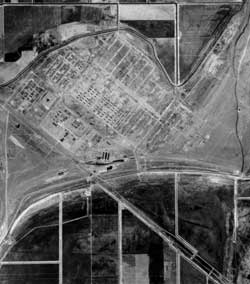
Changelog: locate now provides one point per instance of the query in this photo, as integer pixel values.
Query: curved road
(177, 243)
(186, 251)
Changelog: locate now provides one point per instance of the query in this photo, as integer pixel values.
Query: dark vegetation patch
(153, 28)
(48, 216)
(240, 263)
(74, 206)
(244, 188)
(105, 267)
(28, 20)
(138, 240)
(163, 35)
(39, 244)
(105, 234)
(206, 217)
(104, 237)
(103, 204)
(77, 251)
(24, 274)
(165, 48)
(1, 47)
(96, 234)
(70, 14)
(189, 274)
(170, 263)
(105, 247)
(200, 27)
(85, 14)
(60, 1)
(205, 220)
(132, 1)
(153, 197)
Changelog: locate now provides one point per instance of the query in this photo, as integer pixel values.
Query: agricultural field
(100, 235)
(143, 259)
(244, 188)
(205, 216)
(154, 195)
(23, 274)
(200, 26)
(18, 31)
(3, 170)
(124, 154)
(156, 22)
(38, 239)
(189, 274)
(241, 259)
(27, 37)
(111, 116)
(1, 33)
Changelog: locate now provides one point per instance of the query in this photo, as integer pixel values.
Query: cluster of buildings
(136, 72)
(108, 101)
(175, 121)
(33, 98)
(110, 91)
(68, 129)
(63, 68)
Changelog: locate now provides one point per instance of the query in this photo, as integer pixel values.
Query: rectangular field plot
(76, 237)
(142, 252)
(104, 238)
(244, 188)
(204, 205)
(155, 21)
(208, 2)
(75, 205)
(170, 265)
(240, 267)
(27, 21)
(154, 28)
(154, 196)
(40, 244)
(90, 243)
(105, 234)
(77, 251)
(191, 2)
(149, 12)
(104, 249)
(34, 19)
(102, 204)
(1, 31)
(24, 274)
(200, 26)
(104, 269)
(132, 1)
(190, 275)
(58, 1)
(38, 238)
